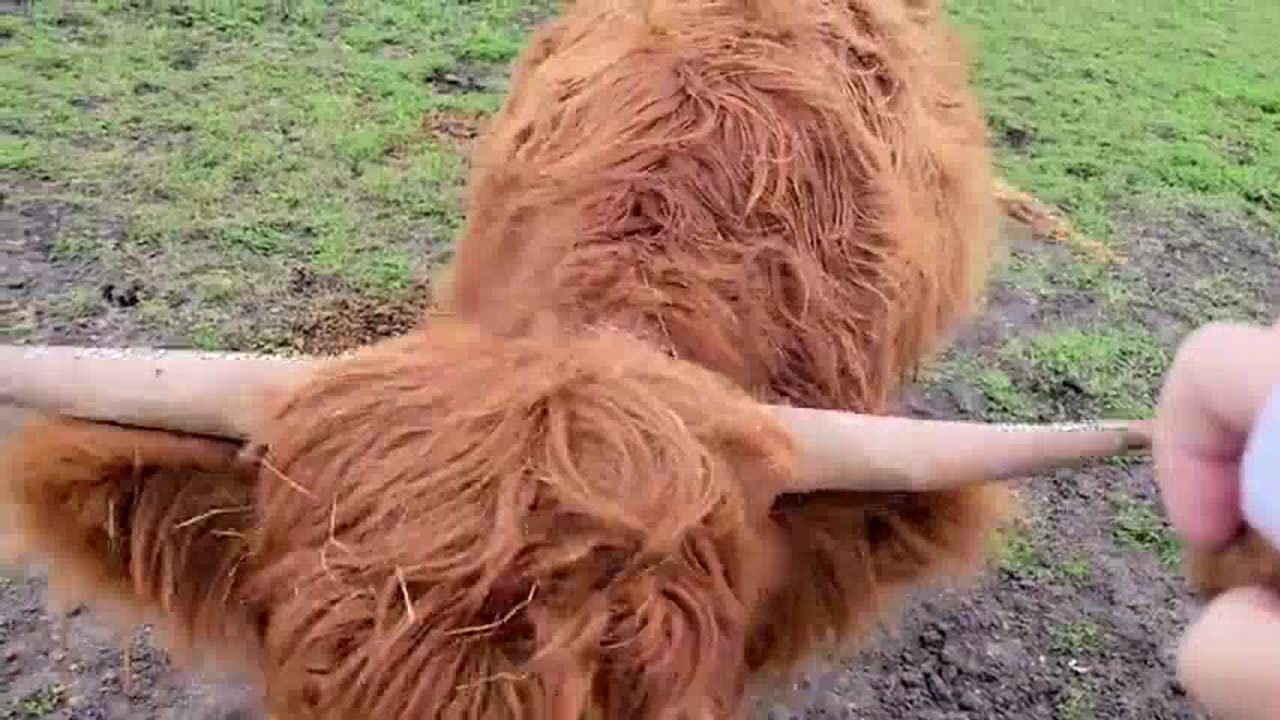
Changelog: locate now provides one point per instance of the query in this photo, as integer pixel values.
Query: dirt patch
(343, 322)
(1045, 222)
(53, 288)
(1015, 305)
(68, 665)
(452, 126)
(462, 79)
(1195, 265)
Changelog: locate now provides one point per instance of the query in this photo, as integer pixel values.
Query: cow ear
(147, 526)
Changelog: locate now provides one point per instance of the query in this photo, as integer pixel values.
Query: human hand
(1214, 423)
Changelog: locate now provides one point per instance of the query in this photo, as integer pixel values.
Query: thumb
(1230, 658)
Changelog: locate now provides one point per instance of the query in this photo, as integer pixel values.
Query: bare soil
(1078, 624)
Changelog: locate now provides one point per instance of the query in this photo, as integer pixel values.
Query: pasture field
(283, 176)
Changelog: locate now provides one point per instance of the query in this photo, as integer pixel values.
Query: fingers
(1221, 378)
(1230, 658)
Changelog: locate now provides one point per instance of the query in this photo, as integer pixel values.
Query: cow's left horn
(205, 393)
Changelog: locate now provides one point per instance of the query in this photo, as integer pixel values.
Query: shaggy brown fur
(557, 520)
(150, 524)
(793, 193)
(457, 526)
(1247, 560)
(796, 194)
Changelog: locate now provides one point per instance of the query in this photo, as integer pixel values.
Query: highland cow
(793, 193)
(369, 550)
(565, 501)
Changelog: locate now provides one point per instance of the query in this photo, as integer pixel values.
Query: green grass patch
(77, 303)
(1077, 572)
(1025, 551)
(1004, 399)
(1052, 276)
(1097, 102)
(1136, 526)
(1017, 552)
(1075, 374)
(1076, 639)
(43, 702)
(1075, 702)
(1062, 376)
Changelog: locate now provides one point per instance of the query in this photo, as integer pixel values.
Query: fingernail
(1260, 472)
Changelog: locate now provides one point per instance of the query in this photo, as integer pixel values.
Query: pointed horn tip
(1140, 436)
(1135, 436)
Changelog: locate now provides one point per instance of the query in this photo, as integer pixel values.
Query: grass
(1076, 639)
(1089, 116)
(1183, 122)
(1074, 703)
(1073, 372)
(43, 702)
(1018, 553)
(225, 146)
(1052, 278)
(1077, 572)
(242, 141)
(1136, 526)
(1025, 550)
(1065, 374)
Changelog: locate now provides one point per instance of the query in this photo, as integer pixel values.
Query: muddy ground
(1075, 620)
